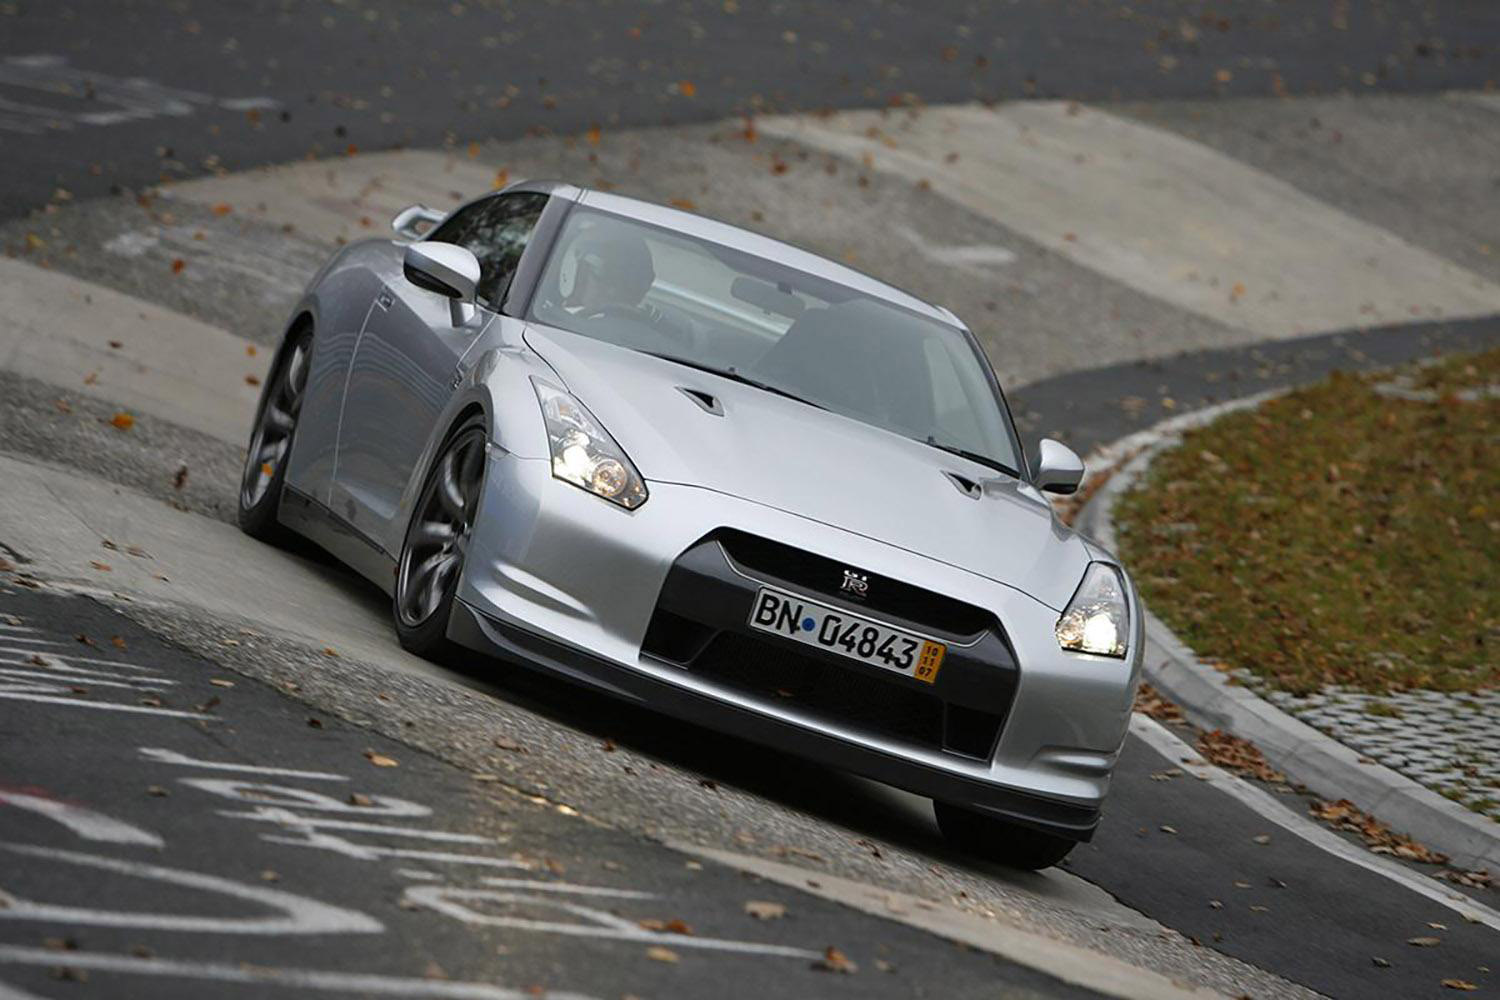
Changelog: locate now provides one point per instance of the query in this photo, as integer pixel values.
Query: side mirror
(1056, 468)
(414, 221)
(448, 270)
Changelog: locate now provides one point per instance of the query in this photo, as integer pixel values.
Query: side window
(494, 230)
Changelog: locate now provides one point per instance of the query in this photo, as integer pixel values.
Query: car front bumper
(563, 580)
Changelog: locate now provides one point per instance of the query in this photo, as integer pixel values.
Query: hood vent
(706, 400)
(965, 485)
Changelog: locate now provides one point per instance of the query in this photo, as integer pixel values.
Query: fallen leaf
(686, 88)
(179, 478)
(267, 875)
(221, 682)
(1380, 963)
(1238, 755)
(1262, 838)
(156, 791)
(117, 641)
(1168, 829)
(1459, 984)
(117, 344)
(314, 723)
(252, 380)
(659, 954)
(360, 799)
(330, 651)
(1424, 942)
(380, 759)
(122, 421)
(508, 744)
(686, 204)
(178, 264)
(834, 960)
(763, 910)
(223, 208)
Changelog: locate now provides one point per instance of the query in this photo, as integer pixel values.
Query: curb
(1303, 753)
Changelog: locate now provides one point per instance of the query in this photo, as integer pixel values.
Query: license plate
(837, 631)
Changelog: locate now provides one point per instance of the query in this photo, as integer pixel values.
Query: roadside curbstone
(1210, 700)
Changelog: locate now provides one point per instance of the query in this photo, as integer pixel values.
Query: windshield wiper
(972, 456)
(735, 375)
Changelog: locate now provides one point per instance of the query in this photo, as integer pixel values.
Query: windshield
(762, 323)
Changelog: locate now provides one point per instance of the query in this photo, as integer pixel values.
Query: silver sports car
(716, 475)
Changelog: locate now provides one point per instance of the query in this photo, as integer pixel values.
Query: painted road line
(1158, 212)
(64, 331)
(162, 755)
(293, 914)
(86, 823)
(351, 198)
(1262, 803)
(327, 980)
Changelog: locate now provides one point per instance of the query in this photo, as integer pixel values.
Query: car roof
(749, 242)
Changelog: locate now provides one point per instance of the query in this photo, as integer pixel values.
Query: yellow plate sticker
(930, 660)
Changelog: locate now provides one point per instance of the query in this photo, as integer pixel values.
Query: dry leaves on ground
(659, 954)
(380, 759)
(762, 910)
(834, 960)
(1149, 701)
(1345, 815)
(1236, 754)
(122, 421)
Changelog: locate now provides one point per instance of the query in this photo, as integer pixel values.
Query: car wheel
(271, 439)
(996, 840)
(432, 554)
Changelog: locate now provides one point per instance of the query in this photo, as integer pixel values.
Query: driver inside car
(613, 273)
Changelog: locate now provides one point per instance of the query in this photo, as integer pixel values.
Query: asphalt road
(246, 842)
(238, 85)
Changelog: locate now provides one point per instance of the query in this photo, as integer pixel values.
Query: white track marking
(87, 823)
(368, 984)
(106, 706)
(1265, 805)
(1160, 213)
(282, 797)
(58, 329)
(589, 922)
(287, 818)
(68, 658)
(573, 888)
(163, 756)
(294, 914)
(101, 99)
(82, 678)
(53, 668)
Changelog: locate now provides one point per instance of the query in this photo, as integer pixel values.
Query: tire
(998, 841)
(436, 541)
(271, 436)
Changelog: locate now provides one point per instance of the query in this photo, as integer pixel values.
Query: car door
(410, 360)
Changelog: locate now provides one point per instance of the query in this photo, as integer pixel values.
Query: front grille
(814, 574)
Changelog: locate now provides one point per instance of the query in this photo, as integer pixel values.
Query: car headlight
(584, 454)
(1097, 619)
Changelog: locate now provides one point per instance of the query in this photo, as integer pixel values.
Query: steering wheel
(645, 317)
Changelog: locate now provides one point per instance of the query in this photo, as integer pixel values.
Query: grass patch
(1333, 535)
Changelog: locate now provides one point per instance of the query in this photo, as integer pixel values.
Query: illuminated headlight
(1097, 620)
(583, 453)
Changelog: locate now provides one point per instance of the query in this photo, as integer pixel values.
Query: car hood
(784, 454)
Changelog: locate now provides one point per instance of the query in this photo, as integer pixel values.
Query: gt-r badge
(855, 583)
